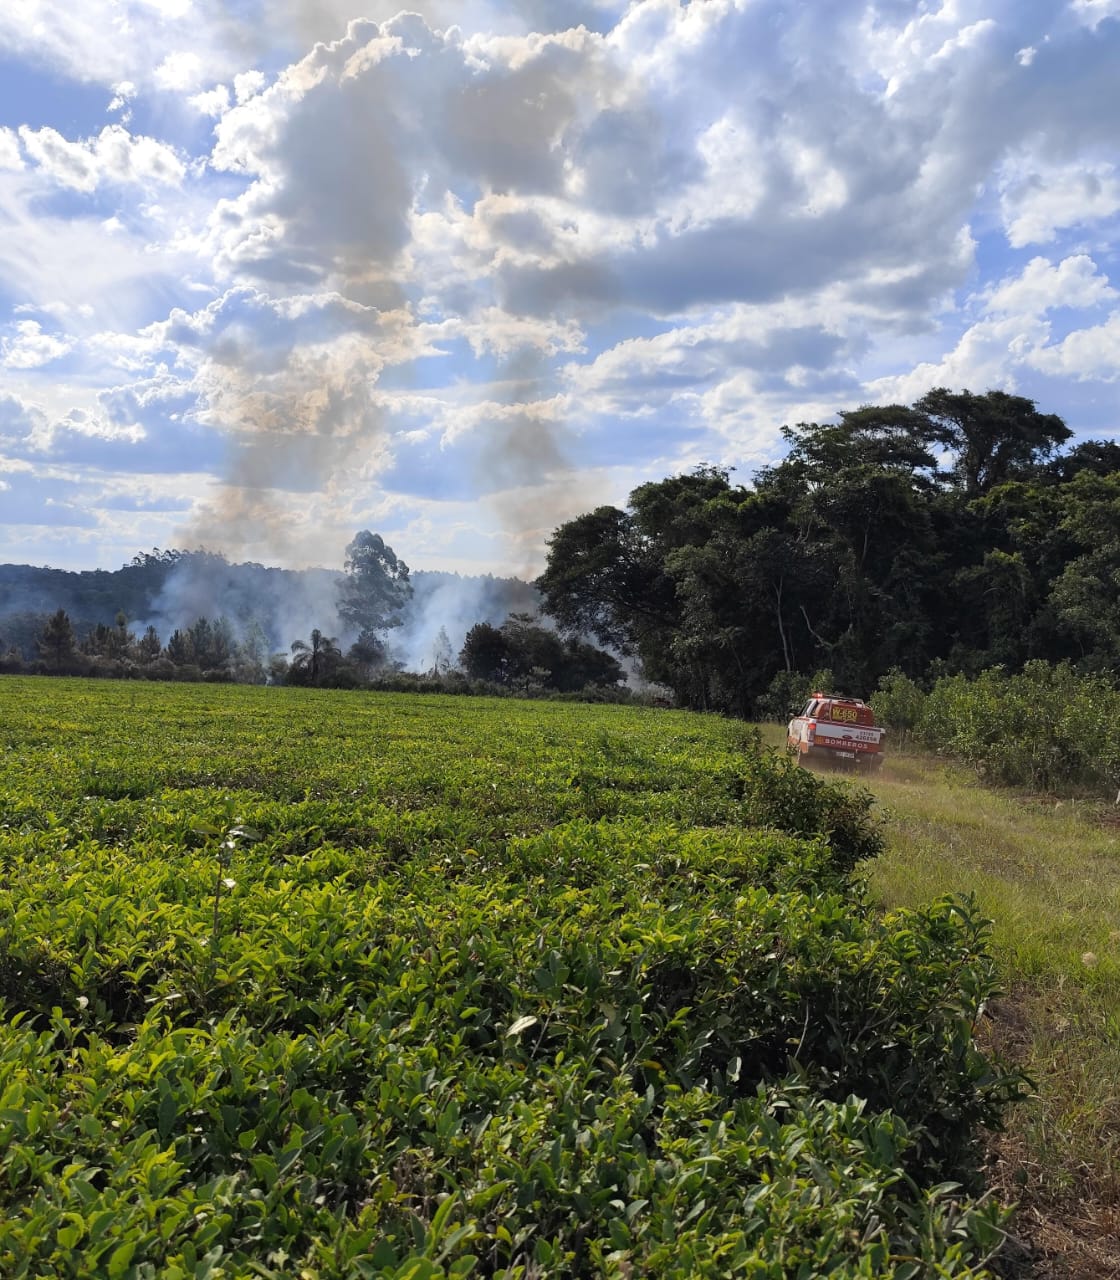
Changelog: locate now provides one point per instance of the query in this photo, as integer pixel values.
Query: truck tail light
(811, 732)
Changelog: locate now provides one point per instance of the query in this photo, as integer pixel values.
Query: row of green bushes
(1046, 727)
(452, 682)
(302, 984)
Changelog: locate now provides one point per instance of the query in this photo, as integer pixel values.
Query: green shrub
(1046, 727)
(898, 704)
(298, 983)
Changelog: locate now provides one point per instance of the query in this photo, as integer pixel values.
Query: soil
(1053, 1238)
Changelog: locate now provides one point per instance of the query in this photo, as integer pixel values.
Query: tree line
(947, 536)
(956, 534)
(520, 656)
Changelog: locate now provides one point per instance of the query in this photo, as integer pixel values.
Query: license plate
(846, 755)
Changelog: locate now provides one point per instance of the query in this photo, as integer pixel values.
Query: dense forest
(950, 536)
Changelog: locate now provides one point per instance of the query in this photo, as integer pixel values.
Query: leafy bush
(391, 987)
(791, 689)
(898, 704)
(1046, 727)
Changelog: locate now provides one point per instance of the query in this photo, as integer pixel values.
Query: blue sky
(271, 273)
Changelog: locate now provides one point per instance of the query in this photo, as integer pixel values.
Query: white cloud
(57, 310)
(114, 156)
(990, 353)
(19, 421)
(213, 102)
(118, 42)
(1038, 201)
(1042, 287)
(54, 258)
(29, 347)
(170, 8)
(247, 84)
(1094, 12)
(179, 71)
(1090, 353)
(10, 157)
(69, 163)
(1013, 335)
(121, 100)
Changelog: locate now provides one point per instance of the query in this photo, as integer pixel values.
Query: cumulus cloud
(10, 157)
(180, 70)
(114, 156)
(528, 241)
(123, 94)
(213, 102)
(1043, 286)
(28, 347)
(116, 42)
(1037, 202)
(18, 421)
(247, 84)
(1089, 353)
(1013, 335)
(1093, 12)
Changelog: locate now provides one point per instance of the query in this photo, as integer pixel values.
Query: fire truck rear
(837, 729)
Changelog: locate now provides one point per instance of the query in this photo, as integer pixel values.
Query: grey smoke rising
(345, 151)
(455, 604)
(284, 604)
(524, 463)
(297, 431)
(294, 393)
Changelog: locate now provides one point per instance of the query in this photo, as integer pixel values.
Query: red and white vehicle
(838, 729)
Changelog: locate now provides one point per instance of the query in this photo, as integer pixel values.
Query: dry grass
(1046, 870)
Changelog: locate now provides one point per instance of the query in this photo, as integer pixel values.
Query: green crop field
(300, 983)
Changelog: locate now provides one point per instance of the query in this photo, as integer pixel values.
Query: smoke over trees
(394, 615)
(231, 622)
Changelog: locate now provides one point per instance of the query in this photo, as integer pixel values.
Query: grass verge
(1046, 870)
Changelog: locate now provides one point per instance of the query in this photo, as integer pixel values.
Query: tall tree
(485, 653)
(56, 642)
(995, 436)
(376, 586)
(180, 647)
(149, 646)
(315, 658)
(890, 437)
(605, 577)
(1085, 594)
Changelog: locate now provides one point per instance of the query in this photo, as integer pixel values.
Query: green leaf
(523, 1023)
(120, 1258)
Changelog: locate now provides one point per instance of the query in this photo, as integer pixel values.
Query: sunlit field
(333, 984)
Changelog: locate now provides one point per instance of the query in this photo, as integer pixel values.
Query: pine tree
(56, 643)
